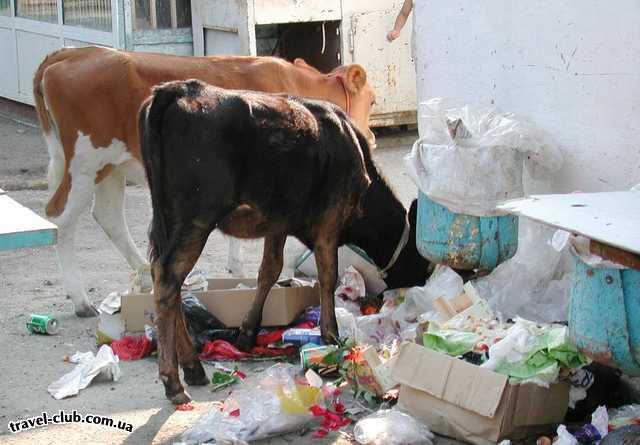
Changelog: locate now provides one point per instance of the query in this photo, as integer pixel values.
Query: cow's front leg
(326, 253)
(270, 268)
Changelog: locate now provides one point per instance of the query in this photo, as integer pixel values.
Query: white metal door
(31, 29)
(390, 67)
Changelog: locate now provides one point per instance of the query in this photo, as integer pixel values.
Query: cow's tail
(38, 90)
(150, 122)
(57, 175)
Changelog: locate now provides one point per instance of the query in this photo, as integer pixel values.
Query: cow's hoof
(86, 311)
(330, 335)
(246, 341)
(195, 376)
(180, 398)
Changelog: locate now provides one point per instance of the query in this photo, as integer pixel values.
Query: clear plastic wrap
(267, 404)
(532, 284)
(443, 283)
(391, 427)
(351, 285)
(469, 159)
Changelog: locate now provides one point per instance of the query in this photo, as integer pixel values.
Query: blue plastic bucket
(604, 315)
(464, 241)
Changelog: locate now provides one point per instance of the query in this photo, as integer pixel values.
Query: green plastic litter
(222, 379)
(450, 342)
(553, 349)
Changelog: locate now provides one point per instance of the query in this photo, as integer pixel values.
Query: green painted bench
(20, 227)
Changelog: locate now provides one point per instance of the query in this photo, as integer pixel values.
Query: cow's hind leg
(235, 259)
(174, 344)
(270, 268)
(78, 201)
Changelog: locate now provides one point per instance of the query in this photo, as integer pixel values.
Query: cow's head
(348, 88)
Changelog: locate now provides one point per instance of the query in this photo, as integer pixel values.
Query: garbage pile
(403, 359)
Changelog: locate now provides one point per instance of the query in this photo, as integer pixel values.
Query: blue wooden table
(21, 227)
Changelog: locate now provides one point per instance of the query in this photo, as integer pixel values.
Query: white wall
(573, 66)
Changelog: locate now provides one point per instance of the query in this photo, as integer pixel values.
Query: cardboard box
(229, 304)
(460, 400)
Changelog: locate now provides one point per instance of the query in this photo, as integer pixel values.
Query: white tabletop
(612, 218)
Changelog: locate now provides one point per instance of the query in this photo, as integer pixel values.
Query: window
(5, 7)
(94, 14)
(42, 10)
(158, 14)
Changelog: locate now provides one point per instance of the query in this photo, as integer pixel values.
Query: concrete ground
(30, 282)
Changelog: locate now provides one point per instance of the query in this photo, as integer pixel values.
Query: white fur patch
(55, 171)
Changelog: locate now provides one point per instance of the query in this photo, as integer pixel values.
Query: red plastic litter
(273, 352)
(235, 413)
(185, 407)
(331, 420)
(132, 347)
(305, 325)
(317, 410)
(267, 338)
(221, 350)
(320, 433)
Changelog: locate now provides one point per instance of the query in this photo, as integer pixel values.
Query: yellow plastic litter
(298, 400)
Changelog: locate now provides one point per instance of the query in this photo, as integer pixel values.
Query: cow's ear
(356, 78)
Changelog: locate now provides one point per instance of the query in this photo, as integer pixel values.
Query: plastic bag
(391, 427)
(267, 404)
(531, 284)
(565, 437)
(201, 324)
(444, 283)
(351, 285)
(132, 347)
(196, 281)
(534, 353)
(104, 364)
(469, 159)
(582, 247)
(346, 323)
(454, 343)
(590, 433)
(625, 415)
(376, 330)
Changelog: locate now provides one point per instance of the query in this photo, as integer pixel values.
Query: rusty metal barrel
(464, 241)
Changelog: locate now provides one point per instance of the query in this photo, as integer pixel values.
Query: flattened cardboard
(461, 400)
(228, 304)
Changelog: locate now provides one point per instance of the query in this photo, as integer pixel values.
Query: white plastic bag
(469, 159)
(533, 284)
(351, 285)
(391, 427)
(196, 281)
(259, 410)
(444, 282)
(565, 437)
(103, 364)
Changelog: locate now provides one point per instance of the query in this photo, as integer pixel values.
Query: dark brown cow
(87, 101)
(256, 165)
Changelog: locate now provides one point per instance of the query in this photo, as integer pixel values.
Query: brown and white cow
(87, 101)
